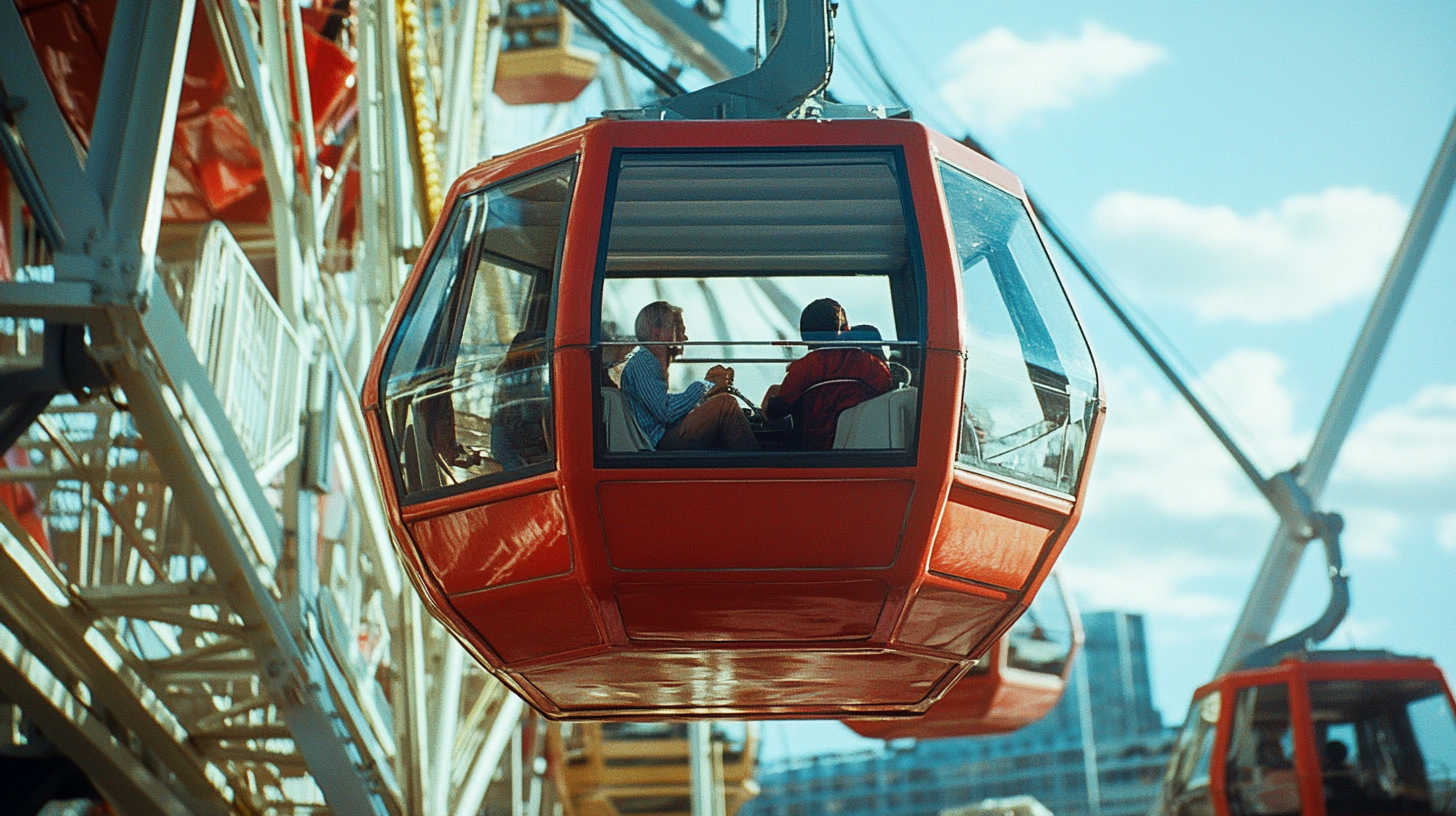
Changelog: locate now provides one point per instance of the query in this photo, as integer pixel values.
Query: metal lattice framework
(212, 618)
(215, 620)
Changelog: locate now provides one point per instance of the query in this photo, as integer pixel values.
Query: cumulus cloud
(1371, 533)
(1446, 532)
(1173, 585)
(998, 79)
(1156, 453)
(1405, 444)
(1248, 385)
(1286, 263)
(1356, 632)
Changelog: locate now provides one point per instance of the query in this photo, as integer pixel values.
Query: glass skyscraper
(1110, 769)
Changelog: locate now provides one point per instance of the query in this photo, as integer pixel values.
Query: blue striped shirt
(653, 407)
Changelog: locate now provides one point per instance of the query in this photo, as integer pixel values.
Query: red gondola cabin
(1013, 685)
(1319, 734)
(845, 560)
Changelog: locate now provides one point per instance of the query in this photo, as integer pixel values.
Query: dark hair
(527, 350)
(823, 315)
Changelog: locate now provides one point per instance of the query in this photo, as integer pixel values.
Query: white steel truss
(217, 622)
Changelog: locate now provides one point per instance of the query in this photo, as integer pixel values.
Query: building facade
(1098, 755)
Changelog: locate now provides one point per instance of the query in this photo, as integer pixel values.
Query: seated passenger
(700, 417)
(520, 426)
(613, 356)
(828, 380)
(865, 331)
(1343, 792)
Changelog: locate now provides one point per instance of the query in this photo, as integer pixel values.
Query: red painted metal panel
(771, 681)
(752, 611)
(952, 617)
(983, 537)
(497, 544)
(731, 525)
(531, 620)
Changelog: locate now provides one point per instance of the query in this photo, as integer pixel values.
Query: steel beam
(459, 102)
(122, 777)
(69, 199)
(693, 38)
(1281, 561)
(483, 767)
(259, 108)
(188, 433)
(37, 606)
(136, 111)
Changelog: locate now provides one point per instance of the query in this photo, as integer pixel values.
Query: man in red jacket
(828, 380)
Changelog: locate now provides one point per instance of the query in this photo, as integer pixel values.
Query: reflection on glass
(1041, 639)
(1261, 779)
(742, 242)
(1185, 790)
(1385, 746)
(1030, 386)
(467, 388)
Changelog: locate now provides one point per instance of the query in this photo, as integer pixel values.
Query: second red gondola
(1016, 683)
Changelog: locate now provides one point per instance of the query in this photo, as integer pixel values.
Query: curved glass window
(467, 385)
(1030, 386)
(1041, 639)
(1186, 789)
(1386, 746)
(714, 263)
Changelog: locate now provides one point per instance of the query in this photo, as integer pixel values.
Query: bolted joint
(1293, 504)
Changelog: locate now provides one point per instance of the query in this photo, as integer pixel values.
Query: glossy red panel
(758, 679)
(531, 620)
(757, 611)
(987, 539)
(503, 543)
(950, 618)
(988, 703)
(711, 524)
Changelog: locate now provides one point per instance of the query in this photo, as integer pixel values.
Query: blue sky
(1243, 172)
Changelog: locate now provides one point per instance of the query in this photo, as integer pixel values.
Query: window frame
(602, 459)
(391, 444)
(1245, 706)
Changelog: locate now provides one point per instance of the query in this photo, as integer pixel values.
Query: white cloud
(1286, 263)
(1356, 632)
(999, 78)
(1156, 453)
(1411, 443)
(1446, 532)
(1247, 387)
(1172, 585)
(1370, 533)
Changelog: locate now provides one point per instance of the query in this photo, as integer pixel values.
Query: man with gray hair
(702, 416)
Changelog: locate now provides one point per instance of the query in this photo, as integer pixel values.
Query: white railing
(250, 350)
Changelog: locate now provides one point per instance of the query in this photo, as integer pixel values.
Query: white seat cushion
(623, 435)
(886, 422)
